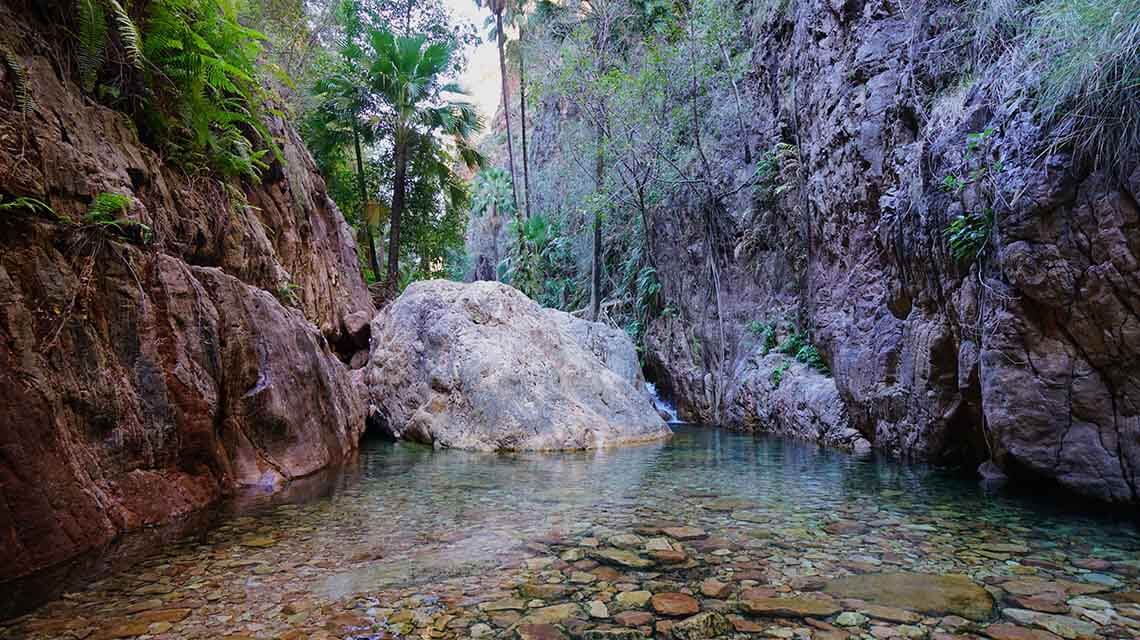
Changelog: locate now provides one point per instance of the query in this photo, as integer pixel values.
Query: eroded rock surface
(141, 381)
(481, 366)
(1026, 356)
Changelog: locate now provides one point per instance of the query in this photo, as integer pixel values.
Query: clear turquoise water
(403, 520)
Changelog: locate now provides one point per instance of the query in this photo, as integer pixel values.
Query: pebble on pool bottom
(710, 535)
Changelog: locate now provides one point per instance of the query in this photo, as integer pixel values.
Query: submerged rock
(709, 624)
(789, 607)
(481, 366)
(925, 593)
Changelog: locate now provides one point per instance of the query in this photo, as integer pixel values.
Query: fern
(20, 85)
(108, 205)
(128, 34)
(211, 111)
(106, 213)
(204, 103)
(31, 205)
(92, 41)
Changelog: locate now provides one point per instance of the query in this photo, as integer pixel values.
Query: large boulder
(481, 366)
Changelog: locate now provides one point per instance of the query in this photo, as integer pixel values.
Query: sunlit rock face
(481, 366)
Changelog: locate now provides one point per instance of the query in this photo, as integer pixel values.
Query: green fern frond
(128, 34)
(20, 85)
(31, 205)
(108, 206)
(92, 41)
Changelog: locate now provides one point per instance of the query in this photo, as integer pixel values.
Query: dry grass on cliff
(1090, 53)
(1081, 62)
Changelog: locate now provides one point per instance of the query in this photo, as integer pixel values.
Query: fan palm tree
(407, 76)
(344, 99)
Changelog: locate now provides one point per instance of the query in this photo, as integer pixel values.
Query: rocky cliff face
(1027, 355)
(141, 381)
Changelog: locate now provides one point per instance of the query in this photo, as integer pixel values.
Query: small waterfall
(662, 405)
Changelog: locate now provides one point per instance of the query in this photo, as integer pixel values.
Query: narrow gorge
(561, 319)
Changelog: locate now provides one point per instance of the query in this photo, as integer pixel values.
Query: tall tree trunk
(399, 187)
(596, 260)
(506, 103)
(522, 110)
(372, 258)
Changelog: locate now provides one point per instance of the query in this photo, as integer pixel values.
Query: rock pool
(710, 534)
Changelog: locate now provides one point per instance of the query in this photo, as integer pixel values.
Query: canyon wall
(1026, 355)
(145, 375)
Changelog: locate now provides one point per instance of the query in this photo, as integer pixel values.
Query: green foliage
(20, 87)
(969, 235)
(766, 332)
(792, 344)
(109, 205)
(92, 40)
(189, 77)
(107, 212)
(30, 205)
(540, 262)
(799, 347)
(952, 184)
(777, 375)
(1090, 54)
(1081, 68)
(210, 111)
(810, 356)
(287, 294)
(493, 192)
(92, 18)
(406, 75)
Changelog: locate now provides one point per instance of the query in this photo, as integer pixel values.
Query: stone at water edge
(891, 614)
(924, 593)
(481, 366)
(1014, 632)
(851, 619)
(633, 599)
(789, 607)
(685, 533)
(1064, 626)
(613, 634)
(552, 614)
(633, 618)
(713, 588)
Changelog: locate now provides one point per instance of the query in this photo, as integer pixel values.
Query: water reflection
(403, 515)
